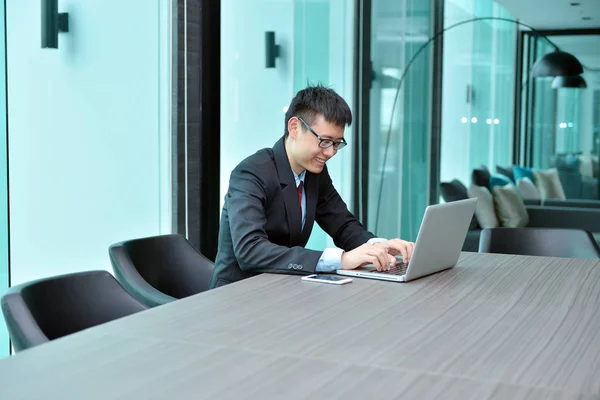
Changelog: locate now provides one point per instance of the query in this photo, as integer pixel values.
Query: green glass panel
(544, 115)
(322, 54)
(478, 87)
(311, 64)
(399, 120)
(4, 344)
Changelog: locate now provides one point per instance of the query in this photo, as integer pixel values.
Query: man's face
(304, 151)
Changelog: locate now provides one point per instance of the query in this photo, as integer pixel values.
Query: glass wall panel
(90, 130)
(544, 113)
(253, 97)
(399, 138)
(4, 272)
(323, 53)
(478, 87)
(316, 46)
(560, 127)
(501, 116)
(567, 131)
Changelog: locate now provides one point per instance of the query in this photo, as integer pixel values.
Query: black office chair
(43, 310)
(160, 269)
(551, 242)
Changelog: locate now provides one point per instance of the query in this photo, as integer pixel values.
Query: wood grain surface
(495, 326)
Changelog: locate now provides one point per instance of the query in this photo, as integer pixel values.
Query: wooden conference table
(495, 326)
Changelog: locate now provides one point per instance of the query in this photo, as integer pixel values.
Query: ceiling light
(557, 63)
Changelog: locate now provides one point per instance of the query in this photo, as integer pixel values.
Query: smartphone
(334, 280)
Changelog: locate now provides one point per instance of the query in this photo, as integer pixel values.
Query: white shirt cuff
(330, 260)
(376, 240)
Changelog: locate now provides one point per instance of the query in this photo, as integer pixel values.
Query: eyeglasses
(325, 143)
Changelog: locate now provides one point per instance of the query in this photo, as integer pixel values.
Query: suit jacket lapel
(289, 192)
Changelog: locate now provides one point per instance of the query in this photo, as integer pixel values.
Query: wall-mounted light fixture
(53, 22)
(272, 50)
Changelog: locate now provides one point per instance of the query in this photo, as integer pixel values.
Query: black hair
(314, 100)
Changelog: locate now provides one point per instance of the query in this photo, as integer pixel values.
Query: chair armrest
(134, 283)
(532, 202)
(472, 241)
(587, 219)
(580, 203)
(24, 330)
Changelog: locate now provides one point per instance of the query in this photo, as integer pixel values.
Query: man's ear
(293, 127)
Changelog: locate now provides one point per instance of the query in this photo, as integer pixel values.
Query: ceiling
(561, 15)
(391, 25)
(555, 14)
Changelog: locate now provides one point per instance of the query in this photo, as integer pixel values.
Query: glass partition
(542, 136)
(399, 139)
(560, 125)
(4, 253)
(88, 157)
(478, 87)
(315, 41)
(89, 137)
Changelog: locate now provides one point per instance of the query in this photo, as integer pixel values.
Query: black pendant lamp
(571, 81)
(557, 63)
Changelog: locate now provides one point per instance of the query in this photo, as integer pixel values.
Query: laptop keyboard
(398, 269)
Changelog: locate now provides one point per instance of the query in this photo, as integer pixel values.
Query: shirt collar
(300, 177)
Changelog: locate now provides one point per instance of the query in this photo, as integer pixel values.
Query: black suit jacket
(261, 226)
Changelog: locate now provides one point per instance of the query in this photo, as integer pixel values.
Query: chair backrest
(550, 242)
(47, 309)
(169, 263)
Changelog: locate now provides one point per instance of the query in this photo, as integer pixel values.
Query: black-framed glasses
(325, 143)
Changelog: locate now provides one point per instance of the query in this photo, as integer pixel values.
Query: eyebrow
(332, 139)
(322, 136)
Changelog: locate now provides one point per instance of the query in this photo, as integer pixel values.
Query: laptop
(438, 246)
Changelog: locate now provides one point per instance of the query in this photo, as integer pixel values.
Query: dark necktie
(300, 197)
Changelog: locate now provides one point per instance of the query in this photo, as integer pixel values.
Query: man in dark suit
(277, 194)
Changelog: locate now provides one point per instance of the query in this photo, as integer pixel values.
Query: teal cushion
(572, 163)
(506, 171)
(522, 172)
(481, 176)
(499, 180)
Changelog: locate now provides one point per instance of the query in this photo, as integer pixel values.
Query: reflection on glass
(478, 84)
(317, 45)
(4, 346)
(564, 121)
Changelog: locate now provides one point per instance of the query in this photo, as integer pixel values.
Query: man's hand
(368, 254)
(398, 246)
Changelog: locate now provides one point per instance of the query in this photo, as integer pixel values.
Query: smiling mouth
(321, 160)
